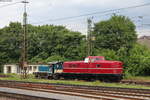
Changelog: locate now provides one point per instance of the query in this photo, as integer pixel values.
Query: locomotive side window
(70, 65)
(98, 65)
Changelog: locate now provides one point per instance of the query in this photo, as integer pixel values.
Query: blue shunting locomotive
(47, 71)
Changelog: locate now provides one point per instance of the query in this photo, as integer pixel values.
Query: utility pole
(24, 59)
(89, 37)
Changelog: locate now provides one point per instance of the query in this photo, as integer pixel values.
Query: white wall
(32, 68)
(13, 68)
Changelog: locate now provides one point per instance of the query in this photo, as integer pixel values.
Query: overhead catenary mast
(24, 58)
(89, 37)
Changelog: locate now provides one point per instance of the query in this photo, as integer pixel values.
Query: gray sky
(44, 11)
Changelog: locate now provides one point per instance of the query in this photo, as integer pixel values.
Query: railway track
(135, 82)
(14, 96)
(94, 92)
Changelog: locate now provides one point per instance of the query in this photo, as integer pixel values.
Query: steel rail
(96, 92)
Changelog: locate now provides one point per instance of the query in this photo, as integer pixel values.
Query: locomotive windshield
(93, 59)
(96, 59)
(86, 60)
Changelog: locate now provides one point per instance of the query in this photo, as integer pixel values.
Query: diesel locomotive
(92, 68)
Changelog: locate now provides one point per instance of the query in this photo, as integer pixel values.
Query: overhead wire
(88, 14)
(2, 6)
(73, 17)
(146, 24)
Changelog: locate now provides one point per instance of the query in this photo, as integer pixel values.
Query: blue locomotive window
(58, 66)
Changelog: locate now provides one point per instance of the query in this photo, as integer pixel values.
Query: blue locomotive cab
(56, 67)
(47, 71)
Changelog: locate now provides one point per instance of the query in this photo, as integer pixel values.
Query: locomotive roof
(55, 62)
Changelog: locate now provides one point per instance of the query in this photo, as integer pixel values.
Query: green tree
(108, 54)
(115, 33)
(139, 61)
(10, 42)
(55, 58)
(44, 42)
(49, 40)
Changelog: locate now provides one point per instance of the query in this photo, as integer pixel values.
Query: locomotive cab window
(95, 59)
(86, 60)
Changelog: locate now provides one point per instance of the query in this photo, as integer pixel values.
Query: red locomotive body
(94, 67)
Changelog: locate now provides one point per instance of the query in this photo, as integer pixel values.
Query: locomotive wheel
(38, 76)
(118, 79)
(56, 77)
(115, 79)
(50, 77)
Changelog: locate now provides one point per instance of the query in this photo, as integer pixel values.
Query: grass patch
(138, 78)
(73, 82)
